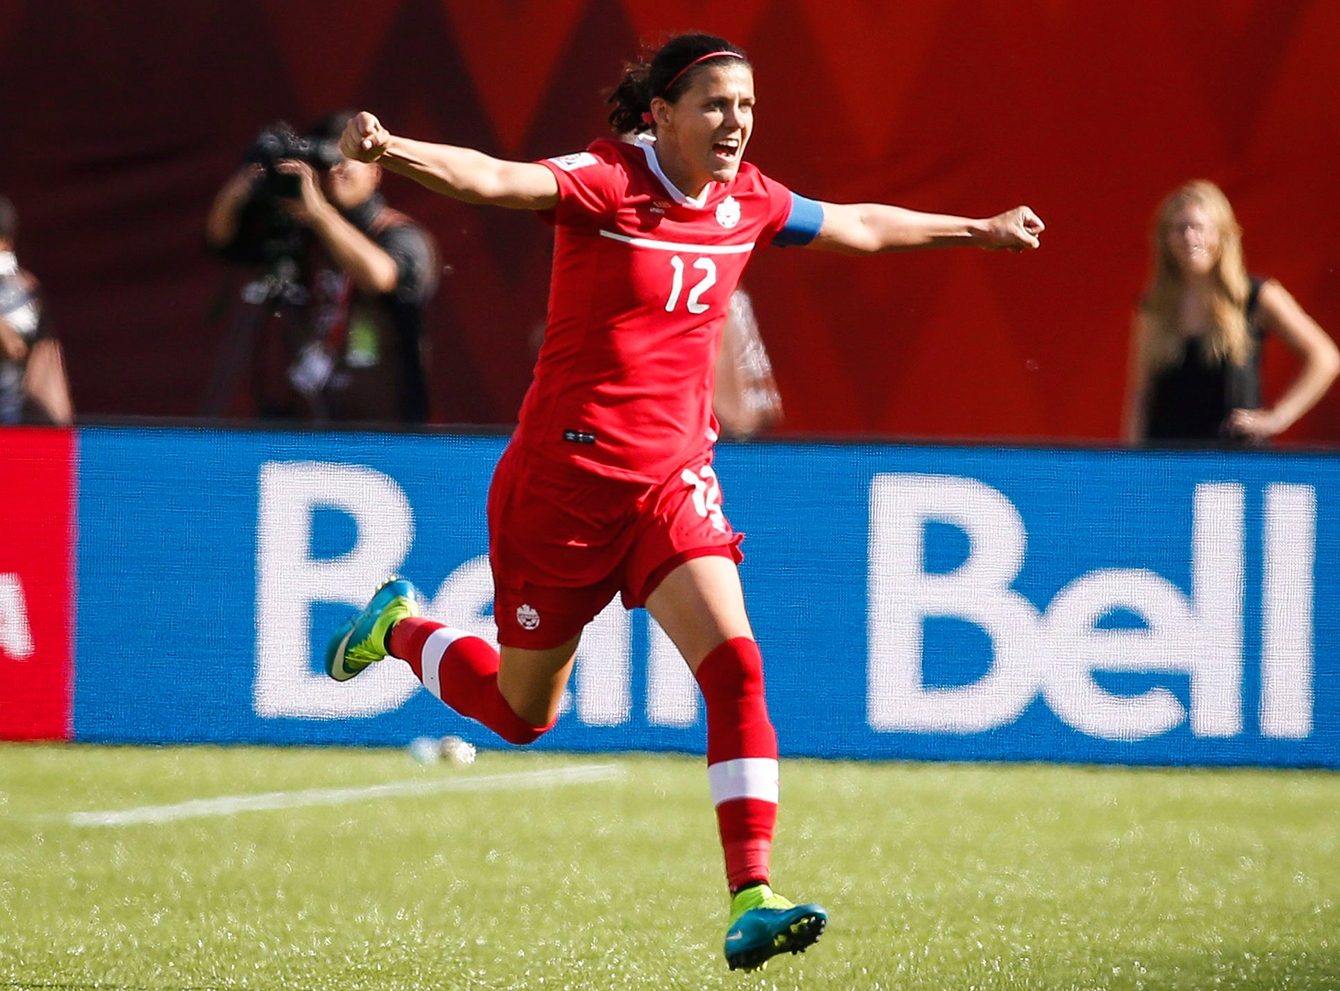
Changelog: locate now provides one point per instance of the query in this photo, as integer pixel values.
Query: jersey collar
(9, 264)
(648, 145)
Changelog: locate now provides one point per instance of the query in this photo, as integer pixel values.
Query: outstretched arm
(868, 228)
(461, 173)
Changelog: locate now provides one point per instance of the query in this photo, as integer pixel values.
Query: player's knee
(523, 733)
(531, 719)
(733, 668)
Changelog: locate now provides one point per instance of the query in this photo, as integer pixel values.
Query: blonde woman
(1196, 355)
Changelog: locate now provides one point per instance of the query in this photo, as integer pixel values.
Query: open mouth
(726, 150)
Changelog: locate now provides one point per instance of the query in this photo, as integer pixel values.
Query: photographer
(33, 385)
(350, 277)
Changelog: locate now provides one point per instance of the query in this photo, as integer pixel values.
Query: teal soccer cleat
(764, 924)
(361, 639)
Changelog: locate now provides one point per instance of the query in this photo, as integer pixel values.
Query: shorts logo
(527, 617)
(728, 212)
(575, 161)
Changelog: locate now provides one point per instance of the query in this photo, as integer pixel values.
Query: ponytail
(632, 99)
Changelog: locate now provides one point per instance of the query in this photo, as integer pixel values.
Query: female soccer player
(607, 485)
(1196, 359)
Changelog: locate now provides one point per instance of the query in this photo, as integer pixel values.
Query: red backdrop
(37, 549)
(121, 120)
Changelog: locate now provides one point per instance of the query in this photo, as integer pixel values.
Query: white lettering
(1201, 636)
(289, 580)
(1055, 652)
(1076, 649)
(16, 637)
(1286, 611)
(1217, 581)
(603, 669)
(902, 595)
(672, 694)
(465, 599)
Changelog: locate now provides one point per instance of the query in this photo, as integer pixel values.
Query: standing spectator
(33, 386)
(367, 273)
(1196, 355)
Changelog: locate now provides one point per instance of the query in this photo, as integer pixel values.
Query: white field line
(227, 805)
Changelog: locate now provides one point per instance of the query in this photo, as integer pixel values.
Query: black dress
(1190, 399)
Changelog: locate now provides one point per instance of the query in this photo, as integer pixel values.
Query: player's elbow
(849, 241)
(862, 243)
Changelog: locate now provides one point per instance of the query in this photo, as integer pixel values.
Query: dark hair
(663, 75)
(331, 126)
(9, 220)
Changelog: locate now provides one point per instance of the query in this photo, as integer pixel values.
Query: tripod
(273, 297)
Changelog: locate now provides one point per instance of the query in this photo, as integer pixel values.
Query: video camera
(279, 143)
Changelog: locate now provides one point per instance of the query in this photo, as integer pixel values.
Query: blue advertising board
(911, 602)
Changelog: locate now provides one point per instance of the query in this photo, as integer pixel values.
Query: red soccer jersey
(641, 280)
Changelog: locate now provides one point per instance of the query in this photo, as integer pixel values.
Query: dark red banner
(37, 550)
(1089, 113)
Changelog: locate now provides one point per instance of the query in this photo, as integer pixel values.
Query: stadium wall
(912, 602)
(1088, 112)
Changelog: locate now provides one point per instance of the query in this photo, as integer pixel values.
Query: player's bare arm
(870, 228)
(461, 173)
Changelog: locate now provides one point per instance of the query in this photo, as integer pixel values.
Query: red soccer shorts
(563, 541)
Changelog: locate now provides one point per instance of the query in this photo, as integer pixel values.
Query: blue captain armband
(803, 223)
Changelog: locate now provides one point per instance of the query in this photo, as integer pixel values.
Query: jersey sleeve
(415, 261)
(793, 220)
(591, 185)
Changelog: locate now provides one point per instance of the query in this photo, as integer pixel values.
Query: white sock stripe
(431, 657)
(747, 777)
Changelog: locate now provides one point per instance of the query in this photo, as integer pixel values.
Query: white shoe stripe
(434, 648)
(747, 777)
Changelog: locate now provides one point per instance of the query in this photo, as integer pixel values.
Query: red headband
(702, 58)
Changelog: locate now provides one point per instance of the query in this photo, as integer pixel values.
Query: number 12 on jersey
(694, 303)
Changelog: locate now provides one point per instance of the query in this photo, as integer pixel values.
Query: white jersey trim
(747, 777)
(701, 249)
(430, 657)
(648, 145)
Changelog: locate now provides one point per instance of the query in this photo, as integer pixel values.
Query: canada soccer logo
(728, 212)
(527, 616)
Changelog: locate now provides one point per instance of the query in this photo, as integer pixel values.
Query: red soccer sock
(741, 758)
(462, 671)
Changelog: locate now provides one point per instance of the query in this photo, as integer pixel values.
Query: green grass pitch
(521, 872)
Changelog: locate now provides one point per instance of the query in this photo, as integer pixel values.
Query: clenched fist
(364, 139)
(1014, 230)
